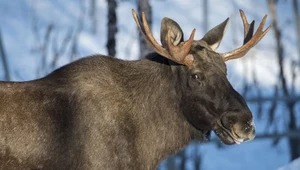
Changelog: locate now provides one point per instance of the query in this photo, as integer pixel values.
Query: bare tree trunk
(43, 48)
(111, 27)
(144, 6)
(294, 143)
(197, 157)
(4, 59)
(182, 156)
(92, 13)
(205, 15)
(59, 49)
(171, 164)
(297, 23)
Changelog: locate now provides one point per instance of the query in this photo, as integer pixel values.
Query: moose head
(209, 102)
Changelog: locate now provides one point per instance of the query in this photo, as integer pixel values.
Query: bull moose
(105, 113)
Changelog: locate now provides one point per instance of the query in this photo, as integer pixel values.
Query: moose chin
(104, 113)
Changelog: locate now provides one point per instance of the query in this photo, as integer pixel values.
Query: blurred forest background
(37, 37)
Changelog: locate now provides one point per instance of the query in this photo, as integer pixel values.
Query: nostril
(252, 135)
(253, 131)
(246, 139)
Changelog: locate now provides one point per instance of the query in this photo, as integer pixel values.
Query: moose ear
(176, 34)
(214, 36)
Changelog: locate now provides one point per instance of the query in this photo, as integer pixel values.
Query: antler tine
(145, 30)
(175, 53)
(182, 49)
(248, 28)
(240, 52)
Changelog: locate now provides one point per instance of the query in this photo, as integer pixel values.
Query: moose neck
(166, 126)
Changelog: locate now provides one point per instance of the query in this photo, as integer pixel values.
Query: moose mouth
(226, 136)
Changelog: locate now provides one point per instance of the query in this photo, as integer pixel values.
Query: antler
(176, 53)
(248, 28)
(250, 40)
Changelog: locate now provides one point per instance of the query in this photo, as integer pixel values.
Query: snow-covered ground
(254, 155)
(19, 38)
(294, 165)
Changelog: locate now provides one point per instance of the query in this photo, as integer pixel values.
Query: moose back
(104, 113)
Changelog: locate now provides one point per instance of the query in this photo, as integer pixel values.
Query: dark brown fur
(104, 113)
(80, 118)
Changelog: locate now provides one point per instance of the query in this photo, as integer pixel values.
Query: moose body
(104, 113)
(91, 114)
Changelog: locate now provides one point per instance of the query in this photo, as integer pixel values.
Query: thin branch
(74, 49)
(4, 59)
(92, 14)
(144, 6)
(294, 143)
(205, 15)
(259, 93)
(279, 46)
(111, 27)
(295, 98)
(297, 23)
(273, 106)
(59, 51)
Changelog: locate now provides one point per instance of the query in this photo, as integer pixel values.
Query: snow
(17, 18)
(257, 154)
(294, 165)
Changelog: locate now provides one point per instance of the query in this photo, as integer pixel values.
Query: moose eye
(195, 76)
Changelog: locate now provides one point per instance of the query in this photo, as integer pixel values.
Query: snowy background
(24, 25)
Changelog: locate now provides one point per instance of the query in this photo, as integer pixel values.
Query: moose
(105, 113)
